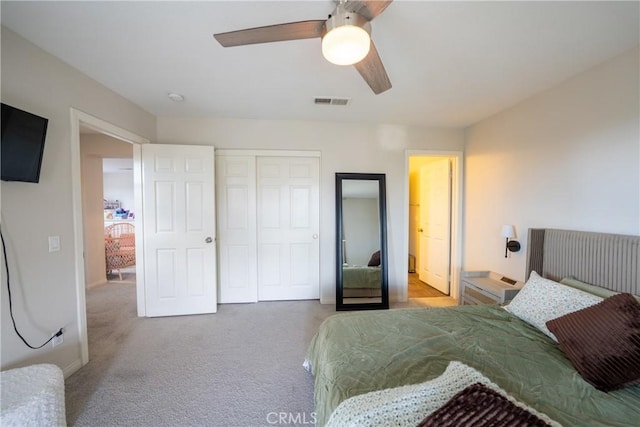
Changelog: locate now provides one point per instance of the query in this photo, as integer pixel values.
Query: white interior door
(435, 224)
(288, 226)
(179, 229)
(236, 201)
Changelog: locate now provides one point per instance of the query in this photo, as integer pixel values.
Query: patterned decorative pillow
(603, 341)
(541, 300)
(408, 405)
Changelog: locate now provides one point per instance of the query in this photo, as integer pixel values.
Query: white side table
(488, 287)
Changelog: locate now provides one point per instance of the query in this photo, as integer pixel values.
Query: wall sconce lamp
(509, 232)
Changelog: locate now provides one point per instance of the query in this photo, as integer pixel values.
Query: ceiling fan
(346, 38)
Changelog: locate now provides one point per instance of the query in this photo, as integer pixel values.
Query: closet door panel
(236, 192)
(288, 227)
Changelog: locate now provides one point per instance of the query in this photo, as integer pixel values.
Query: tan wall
(43, 283)
(566, 158)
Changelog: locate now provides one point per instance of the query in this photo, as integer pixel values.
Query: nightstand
(487, 287)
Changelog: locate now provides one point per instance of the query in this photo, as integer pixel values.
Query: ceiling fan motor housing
(341, 16)
(346, 37)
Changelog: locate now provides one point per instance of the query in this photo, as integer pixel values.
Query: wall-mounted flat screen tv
(22, 141)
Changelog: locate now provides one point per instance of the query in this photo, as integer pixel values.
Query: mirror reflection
(361, 251)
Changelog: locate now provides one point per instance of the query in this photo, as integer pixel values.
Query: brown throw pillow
(480, 406)
(374, 261)
(603, 341)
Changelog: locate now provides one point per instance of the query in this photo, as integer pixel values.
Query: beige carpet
(233, 368)
(225, 369)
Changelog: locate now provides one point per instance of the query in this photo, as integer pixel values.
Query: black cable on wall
(15, 327)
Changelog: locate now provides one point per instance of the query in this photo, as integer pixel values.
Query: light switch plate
(54, 243)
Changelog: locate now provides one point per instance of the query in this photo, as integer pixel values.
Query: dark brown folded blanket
(478, 406)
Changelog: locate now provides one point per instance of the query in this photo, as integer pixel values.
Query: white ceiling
(451, 63)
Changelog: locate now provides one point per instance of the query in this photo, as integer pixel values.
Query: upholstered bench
(32, 396)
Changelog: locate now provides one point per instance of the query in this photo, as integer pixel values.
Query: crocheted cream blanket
(409, 405)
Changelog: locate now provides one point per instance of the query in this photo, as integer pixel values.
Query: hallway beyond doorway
(419, 289)
(128, 276)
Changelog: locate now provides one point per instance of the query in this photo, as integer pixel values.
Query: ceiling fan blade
(373, 72)
(271, 33)
(369, 9)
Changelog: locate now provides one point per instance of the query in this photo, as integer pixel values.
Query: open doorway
(434, 181)
(119, 218)
(92, 220)
(109, 222)
(107, 207)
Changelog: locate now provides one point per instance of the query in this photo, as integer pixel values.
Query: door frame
(457, 166)
(79, 118)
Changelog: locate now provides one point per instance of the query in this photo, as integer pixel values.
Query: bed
(361, 281)
(361, 352)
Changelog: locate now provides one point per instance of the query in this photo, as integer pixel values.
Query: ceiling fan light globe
(346, 45)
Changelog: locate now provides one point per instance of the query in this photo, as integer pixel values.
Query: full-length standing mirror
(361, 242)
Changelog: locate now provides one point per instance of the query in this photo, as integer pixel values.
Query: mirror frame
(382, 212)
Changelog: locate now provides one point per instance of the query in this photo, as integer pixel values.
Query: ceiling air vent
(323, 100)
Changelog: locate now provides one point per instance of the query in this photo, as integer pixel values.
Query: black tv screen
(22, 141)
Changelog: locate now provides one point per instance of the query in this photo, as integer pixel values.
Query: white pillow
(409, 405)
(541, 300)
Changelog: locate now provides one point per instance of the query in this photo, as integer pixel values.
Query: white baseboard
(96, 283)
(72, 368)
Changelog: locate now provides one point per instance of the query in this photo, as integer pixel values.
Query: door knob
(315, 236)
(420, 230)
(208, 240)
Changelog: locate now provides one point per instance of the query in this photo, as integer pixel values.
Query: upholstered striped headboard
(610, 261)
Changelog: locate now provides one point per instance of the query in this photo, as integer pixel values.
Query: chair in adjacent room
(120, 247)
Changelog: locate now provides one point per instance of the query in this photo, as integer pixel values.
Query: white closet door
(236, 197)
(179, 229)
(288, 227)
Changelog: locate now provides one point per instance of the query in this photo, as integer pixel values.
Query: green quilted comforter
(361, 277)
(355, 353)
